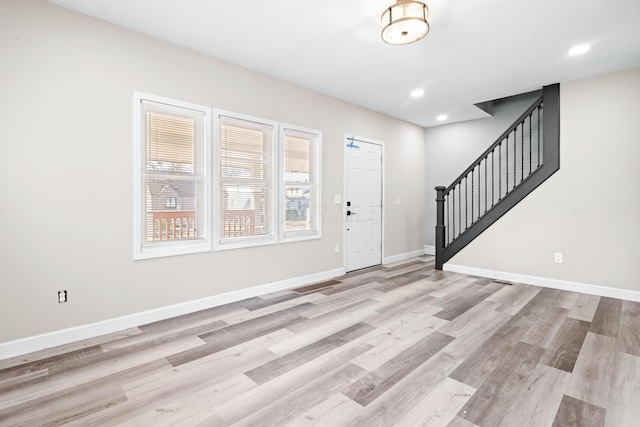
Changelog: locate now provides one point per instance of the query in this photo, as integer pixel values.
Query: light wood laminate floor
(399, 345)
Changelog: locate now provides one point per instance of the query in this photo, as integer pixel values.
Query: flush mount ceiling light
(442, 117)
(417, 93)
(405, 22)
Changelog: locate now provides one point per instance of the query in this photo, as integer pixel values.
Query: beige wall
(590, 209)
(66, 85)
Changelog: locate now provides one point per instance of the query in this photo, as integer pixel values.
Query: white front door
(363, 204)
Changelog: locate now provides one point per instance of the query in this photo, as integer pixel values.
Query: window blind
(170, 143)
(296, 157)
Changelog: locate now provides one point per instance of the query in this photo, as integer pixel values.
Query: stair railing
(525, 155)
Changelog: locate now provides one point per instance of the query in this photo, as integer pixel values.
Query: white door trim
(347, 138)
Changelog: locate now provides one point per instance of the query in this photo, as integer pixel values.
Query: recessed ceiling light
(442, 117)
(417, 93)
(579, 50)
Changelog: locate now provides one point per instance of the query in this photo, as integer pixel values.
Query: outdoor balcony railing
(238, 223)
(181, 225)
(174, 225)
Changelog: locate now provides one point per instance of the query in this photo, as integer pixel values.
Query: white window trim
(245, 241)
(316, 201)
(170, 248)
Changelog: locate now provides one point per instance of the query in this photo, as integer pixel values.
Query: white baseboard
(429, 250)
(547, 283)
(66, 336)
(402, 257)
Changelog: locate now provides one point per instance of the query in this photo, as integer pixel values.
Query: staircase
(521, 159)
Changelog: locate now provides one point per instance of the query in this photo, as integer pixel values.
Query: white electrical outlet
(62, 296)
(558, 258)
(398, 200)
(337, 248)
(337, 199)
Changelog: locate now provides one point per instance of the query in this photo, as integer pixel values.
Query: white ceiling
(476, 50)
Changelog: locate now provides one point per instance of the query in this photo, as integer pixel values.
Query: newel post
(440, 227)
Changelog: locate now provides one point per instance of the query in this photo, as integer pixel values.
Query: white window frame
(224, 243)
(174, 247)
(315, 183)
